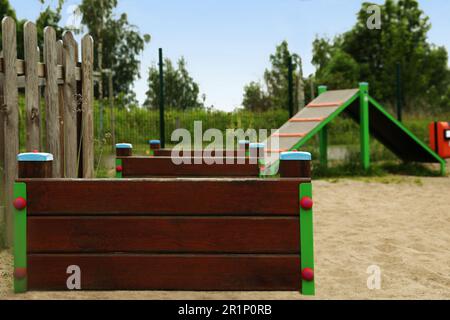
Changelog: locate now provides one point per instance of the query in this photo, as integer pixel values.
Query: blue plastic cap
(257, 145)
(244, 142)
(295, 156)
(35, 157)
(154, 142)
(124, 146)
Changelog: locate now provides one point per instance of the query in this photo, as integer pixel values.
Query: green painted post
(323, 137)
(306, 238)
(364, 125)
(20, 240)
(119, 168)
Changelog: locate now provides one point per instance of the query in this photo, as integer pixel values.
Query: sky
(227, 43)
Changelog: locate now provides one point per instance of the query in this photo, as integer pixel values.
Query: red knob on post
(20, 273)
(306, 203)
(20, 203)
(308, 274)
(119, 168)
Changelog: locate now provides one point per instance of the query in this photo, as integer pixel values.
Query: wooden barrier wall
(131, 167)
(159, 234)
(68, 102)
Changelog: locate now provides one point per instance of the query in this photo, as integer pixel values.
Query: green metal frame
(20, 237)
(442, 162)
(306, 239)
(364, 125)
(119, 162)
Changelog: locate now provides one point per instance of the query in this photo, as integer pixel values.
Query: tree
(276, 83)
(255, 99)
(181, 91)
(48, 17)
(401, 39)
(117, 44)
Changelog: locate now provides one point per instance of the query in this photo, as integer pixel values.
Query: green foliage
(119, 42)
(181, 91)
(48, 17)
(276, 83)
(373, 56)
(255, 99)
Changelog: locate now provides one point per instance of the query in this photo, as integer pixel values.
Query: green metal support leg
(323, 141)
(323, 137)
(364, 125)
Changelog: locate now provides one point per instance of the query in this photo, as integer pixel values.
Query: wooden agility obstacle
(163, 234)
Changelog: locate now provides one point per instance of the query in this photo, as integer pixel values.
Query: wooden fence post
(51, 98)
(87, 46)
(2, 161)
(60, 61)
(31, 86)
(70, 105)
(10, 91)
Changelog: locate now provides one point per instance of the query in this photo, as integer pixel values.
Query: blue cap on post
(34, 157)
(257, 145)
(153, 142)
(124, 146)
(295, 156)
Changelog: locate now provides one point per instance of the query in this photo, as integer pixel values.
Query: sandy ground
(400, 224)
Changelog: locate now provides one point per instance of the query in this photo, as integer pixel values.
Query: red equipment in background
(440, 138)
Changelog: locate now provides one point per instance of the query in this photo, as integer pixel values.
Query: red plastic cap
(20, 273)
(20, 203)
(308, 274)
(119, 169)
(306, 203)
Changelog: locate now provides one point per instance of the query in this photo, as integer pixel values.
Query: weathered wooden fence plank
(2, 156)
(51, 98)
(9, 42)
(32, 86)
(60, 59)
(70, 105)
(87, 106)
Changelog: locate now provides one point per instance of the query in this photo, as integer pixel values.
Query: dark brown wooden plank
(167, 272)
(163, 235)
(244, 197)
(165, 167)
(224, 153)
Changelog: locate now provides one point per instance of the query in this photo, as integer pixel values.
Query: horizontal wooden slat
(245, 197)
(167, 272)
(163, 235)
(20, 66)
(168, 153)
(165, 167)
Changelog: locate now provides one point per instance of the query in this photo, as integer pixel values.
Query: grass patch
(379, 171)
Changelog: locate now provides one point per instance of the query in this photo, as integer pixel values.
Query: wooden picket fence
(69, 126)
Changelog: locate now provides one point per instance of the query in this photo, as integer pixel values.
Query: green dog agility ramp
(362, 108)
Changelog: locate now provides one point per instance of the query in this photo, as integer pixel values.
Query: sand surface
(400, 224)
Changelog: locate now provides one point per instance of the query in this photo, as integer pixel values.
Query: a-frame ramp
(322, 110)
